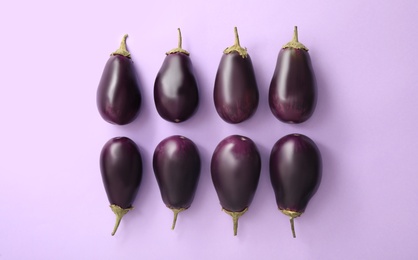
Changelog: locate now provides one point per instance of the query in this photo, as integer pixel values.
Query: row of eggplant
(295, 173)
(292, 92)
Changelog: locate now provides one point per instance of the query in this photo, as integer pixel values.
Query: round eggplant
(118, 97)
(175, 90)
(293, 91)
(235, 169)
(121, 168)
(176, 164)
(295, 173)
(236, 92)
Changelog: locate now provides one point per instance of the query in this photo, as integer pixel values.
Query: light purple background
(53, 204)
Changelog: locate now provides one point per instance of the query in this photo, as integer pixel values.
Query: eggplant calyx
(176, 213)
(294, 43)
(119, 212)
(237, 47)
(292, 214)
(235, 216)
(122, 49)
(179, 49)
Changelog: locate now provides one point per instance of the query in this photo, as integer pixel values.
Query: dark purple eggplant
(118, 96)
(235, 169)
(293, 91)
(175, 90)
(236, 92)
(121, 168)
(295, 173)
(176, 163)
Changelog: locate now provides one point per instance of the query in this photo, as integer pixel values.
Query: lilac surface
(53, 202)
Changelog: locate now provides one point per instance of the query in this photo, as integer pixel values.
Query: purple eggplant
(293, 91)
(175, 90)
(236, 93)
(176, 163)
(295, 173)
(235, 169)
(118, 96)
(121, 168)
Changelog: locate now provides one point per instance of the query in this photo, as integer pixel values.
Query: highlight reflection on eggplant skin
(176, 94)
(235, 170)
(118, 96)
(121, 170)
(293, 90)
(235, 91)
(176, 164)
(295, 173)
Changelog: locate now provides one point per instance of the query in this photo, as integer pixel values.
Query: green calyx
(122, 49)
(235, 216)
(294, 43)
(119, 212)
(237, 47)
(179, 49)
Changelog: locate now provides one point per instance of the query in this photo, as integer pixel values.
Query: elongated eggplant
(295, 173)
(176, 163)
(293, 91)
(235, 92)
(175, 90)
(235, 169)
(121, 168)
(118, 95)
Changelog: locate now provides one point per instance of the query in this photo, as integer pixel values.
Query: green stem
(179, 48)
(237, 47)
(119, 212)
(294, 43)
(292, 215)
(176, 213)
(235, 216)
(122, 48)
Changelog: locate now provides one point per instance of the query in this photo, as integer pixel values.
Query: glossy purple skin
(118, 95)
(295, 171)
(235, 169)
(121, 168)
(293, 92)
(175, 90)
(176, 163)
(236, 92)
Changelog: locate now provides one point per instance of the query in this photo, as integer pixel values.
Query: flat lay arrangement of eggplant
(295, 164)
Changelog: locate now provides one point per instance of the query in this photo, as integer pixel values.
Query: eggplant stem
(294, 43)
(292, 214)
(235, 216)
(292, 226)
(237, 47)
(176, 213)
(119, 212)
(122, 48)
(179, 48)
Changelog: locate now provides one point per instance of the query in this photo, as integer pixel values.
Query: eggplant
(176, 93)
(121, 169)
(235, 170)
(176, 164)
(293, 91)
(118, 96)
(295, 173)
(235, 93)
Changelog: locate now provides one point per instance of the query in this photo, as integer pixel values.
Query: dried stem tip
(119, 212)
(122, 49)
(294, 43)
(235, 216)
(237, 47)
(179, 48)
(176, 213)
(292, 215)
